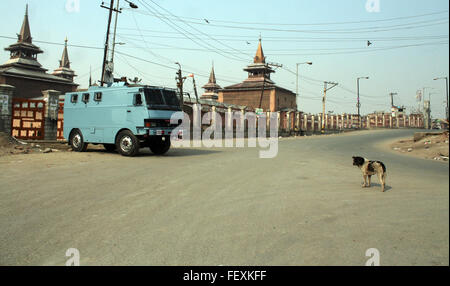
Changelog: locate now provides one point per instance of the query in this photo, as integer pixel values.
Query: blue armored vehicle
(123, 118)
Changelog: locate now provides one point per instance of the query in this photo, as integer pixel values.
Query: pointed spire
(259, 57)
(64, 62)
(64, 70)
(25, 34)
(212, 76)
(211, 87)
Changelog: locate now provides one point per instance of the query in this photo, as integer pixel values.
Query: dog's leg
(370, 178)
(381, 177)
(365, 181)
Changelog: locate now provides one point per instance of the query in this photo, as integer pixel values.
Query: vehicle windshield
(161, 99)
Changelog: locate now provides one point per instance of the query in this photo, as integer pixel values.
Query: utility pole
(180, 80)
(90, 76)
(423, 95)
(115, 29)
(446, 97)
(195, 87)
(296, 89)
(264, 80)
(392, 98)
(325, 89)
(358, 103)
(105, 54)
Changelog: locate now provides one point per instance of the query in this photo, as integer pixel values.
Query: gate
(60, 127)
(27, 120)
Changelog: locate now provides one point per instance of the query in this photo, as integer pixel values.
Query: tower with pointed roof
(259, 71)
(258, 90)
(64, 69)
(23, 53)
(211, 87)
(26, 74)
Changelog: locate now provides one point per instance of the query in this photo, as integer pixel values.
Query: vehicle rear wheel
(110, 147)
(159, 145)
(77, 141)
(127, 144)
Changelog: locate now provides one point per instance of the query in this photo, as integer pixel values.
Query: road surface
(225, 206)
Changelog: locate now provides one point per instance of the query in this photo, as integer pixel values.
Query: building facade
(258, 90)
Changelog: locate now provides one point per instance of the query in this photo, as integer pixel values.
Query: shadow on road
(375, 185)
(144, 152)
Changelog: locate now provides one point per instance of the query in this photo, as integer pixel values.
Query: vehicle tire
(127, 144)
(110, 147)
(159, 146)
(77, 142)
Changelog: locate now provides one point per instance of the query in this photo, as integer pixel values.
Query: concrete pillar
(305, 122)
(51, 98)
(288, 121)
(319, 122)
(6, 96)
(278, 122)
(213, 116)
(229, 123)
(242, 119)
(313, 126)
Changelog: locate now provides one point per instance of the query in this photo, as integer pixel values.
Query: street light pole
(358, 103)
(296, 90)
(446, 90)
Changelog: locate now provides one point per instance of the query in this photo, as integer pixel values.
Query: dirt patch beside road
(431, 146)
(12, 146)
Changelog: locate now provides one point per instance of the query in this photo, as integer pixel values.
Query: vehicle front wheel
(127, 144)
(77, 141)
(159, 145)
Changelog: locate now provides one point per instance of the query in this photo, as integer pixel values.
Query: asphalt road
(225, 206)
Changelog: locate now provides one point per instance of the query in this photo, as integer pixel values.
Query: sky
(409, 44)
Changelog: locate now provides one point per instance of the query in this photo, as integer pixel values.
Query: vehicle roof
(113, 87)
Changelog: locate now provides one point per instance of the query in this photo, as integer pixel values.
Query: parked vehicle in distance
(123, 118)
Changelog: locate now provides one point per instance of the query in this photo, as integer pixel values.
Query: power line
(411, 25)
(185, 33)
(314, 24)
(348, 50)
(214, 39)
(235, 38)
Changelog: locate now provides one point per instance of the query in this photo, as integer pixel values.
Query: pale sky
(409, 44)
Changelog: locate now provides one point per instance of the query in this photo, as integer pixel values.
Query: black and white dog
(370, 168)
